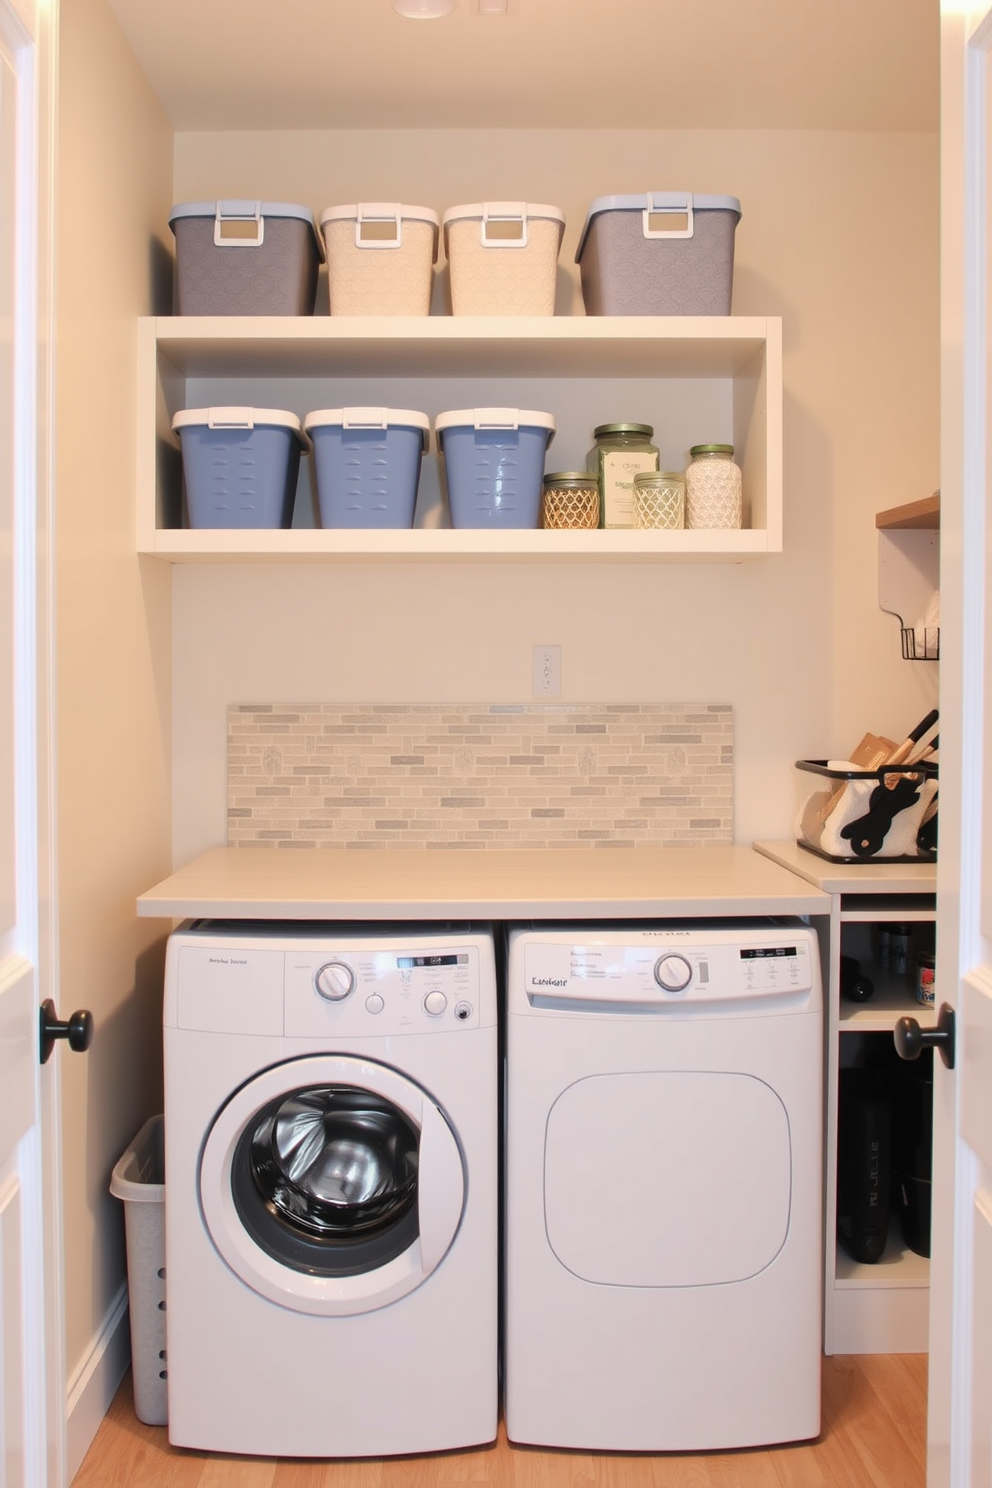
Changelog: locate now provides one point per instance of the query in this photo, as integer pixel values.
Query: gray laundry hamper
(139, 1179)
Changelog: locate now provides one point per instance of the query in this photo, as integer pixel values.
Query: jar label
(618, 470)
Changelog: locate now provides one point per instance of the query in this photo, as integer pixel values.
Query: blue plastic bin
(367, 463)
(240, 465)
(494, 464)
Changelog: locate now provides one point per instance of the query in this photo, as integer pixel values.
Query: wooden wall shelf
(923, 514)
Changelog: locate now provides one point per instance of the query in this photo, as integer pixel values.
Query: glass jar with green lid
(571, 499)
(621, 451)
(712, 487)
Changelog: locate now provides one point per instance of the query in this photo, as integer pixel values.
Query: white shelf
(733, 364)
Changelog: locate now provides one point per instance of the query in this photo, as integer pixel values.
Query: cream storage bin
(863, 816)
(502, 257)
(380, 258)
(245, 258)
(662, 253)
(240, 465)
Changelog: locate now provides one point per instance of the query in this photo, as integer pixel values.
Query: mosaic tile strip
(469, 775)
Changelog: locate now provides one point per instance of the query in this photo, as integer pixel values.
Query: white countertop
(421, 884)
(852, 878)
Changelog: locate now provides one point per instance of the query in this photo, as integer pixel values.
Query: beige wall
(112, 629)
(839, 237)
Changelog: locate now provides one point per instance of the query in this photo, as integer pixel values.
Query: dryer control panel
(668, 968)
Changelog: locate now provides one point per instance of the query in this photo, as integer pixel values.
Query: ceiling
(614, 64)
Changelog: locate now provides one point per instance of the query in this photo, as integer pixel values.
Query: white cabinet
(878, 1307)
(691, 373)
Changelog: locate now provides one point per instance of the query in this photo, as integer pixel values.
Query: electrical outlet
(547, 672)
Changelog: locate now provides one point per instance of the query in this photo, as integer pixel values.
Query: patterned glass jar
(659, 498)
(571, 499)
(712, 487)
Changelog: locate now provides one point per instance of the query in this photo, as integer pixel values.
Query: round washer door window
(332, 1185)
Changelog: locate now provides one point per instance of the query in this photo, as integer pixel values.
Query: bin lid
(485, 419)
(369, 418)
(502, 211)
(242, 209)
(398, 212)
(657, 201)
(238, 419)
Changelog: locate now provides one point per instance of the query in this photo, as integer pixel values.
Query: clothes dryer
(663, 1185)
(331, 1188)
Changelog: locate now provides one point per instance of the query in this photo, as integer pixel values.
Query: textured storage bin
(139, 1180)
(503, 257)
(862, 816)
(663, 253)
(380, 258)
(367, 464)
(240, 465)
(245, 258)
(494, 464)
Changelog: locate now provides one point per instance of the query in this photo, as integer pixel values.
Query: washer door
(331, 1185)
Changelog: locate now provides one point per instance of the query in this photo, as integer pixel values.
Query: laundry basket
(139, 1179)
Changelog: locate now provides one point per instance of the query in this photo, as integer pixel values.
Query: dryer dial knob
(672, 973)
(435, 1004)
(335, 981)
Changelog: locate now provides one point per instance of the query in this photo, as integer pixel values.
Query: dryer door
(332, 1185)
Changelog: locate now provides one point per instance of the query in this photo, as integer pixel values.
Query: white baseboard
(94, 1381)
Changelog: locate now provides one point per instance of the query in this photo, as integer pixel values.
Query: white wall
(839, 237)
(113, 665)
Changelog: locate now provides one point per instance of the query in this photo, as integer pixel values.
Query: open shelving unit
(720, 372)
(882, 1307)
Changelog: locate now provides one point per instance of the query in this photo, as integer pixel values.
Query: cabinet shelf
(721, 373)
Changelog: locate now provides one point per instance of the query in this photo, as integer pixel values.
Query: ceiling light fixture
(424, 10)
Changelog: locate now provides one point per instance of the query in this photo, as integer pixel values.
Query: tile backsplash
(376, 775)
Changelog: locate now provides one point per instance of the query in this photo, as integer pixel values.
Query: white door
(960, 1411)
(32, 1391)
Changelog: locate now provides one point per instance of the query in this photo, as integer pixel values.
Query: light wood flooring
(873, 1436)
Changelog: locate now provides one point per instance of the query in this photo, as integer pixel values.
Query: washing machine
(331, 1188)
(663, 1185)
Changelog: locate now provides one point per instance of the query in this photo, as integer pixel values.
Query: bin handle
(365, 418)
(667, 204)
(242, 212)
(230, 418)
(378, 212)
(504, 212)
(488, 418)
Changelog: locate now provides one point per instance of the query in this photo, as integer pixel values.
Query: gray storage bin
(245, 258)
(663, 253)
(139, 1179)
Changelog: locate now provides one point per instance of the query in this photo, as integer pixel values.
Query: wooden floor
(873, 1436)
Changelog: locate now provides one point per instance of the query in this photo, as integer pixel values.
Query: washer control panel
(671, 967)
(309, 986)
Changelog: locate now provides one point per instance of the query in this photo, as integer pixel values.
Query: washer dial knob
(672, 972)
(335, 981)
(435, 1004)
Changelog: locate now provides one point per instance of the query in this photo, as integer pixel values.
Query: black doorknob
(911, 1039)
(78, 1030)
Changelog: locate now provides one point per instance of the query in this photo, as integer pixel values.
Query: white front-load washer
(663, 1185)
(331, 1188)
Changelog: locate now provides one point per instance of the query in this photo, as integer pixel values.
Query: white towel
(899, 841)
